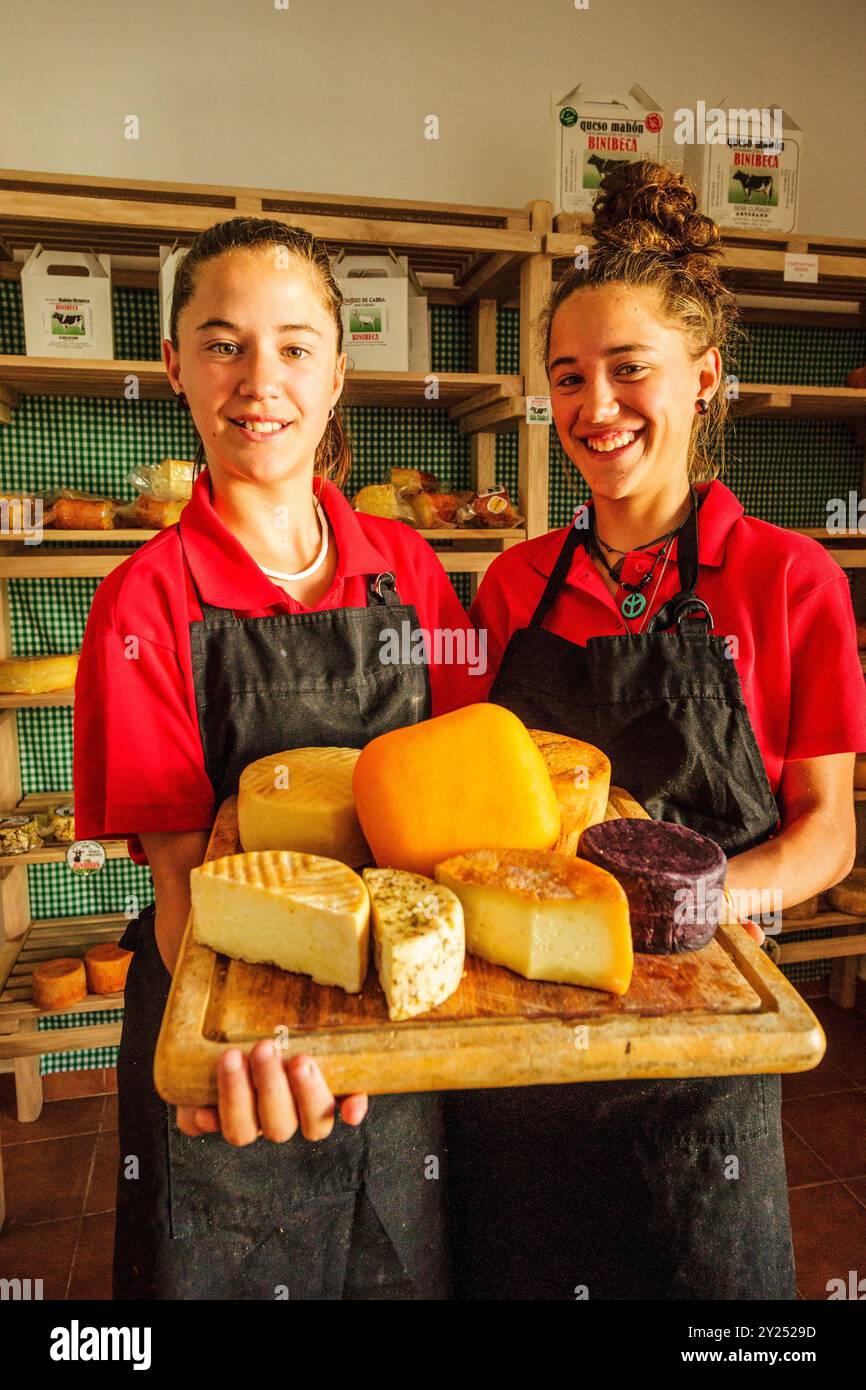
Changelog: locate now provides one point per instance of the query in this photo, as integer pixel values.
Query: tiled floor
(60, 1170)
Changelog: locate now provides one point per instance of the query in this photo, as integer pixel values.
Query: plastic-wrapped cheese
(37, 675)
(58, 983)
(418, 940)
(580, 774)
(673, 878)
(302, 800)
(544, 916)
(471, 779)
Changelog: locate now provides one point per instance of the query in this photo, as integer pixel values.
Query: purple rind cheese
(672, 876)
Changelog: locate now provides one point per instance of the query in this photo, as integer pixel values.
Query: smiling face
(257, 360)
(623, 390)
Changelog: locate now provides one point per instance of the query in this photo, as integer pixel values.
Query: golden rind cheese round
(58, 983)
(302, 800)
(580, 774)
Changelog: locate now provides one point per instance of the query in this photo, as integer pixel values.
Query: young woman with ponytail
(255, 625)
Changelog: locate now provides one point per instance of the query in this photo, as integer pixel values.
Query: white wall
(331, 95)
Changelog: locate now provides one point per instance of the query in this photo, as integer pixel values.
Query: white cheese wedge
(418, 940)
(544, 916)
(301, 912)
(302, 799)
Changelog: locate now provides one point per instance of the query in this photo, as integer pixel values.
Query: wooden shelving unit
(490, 256)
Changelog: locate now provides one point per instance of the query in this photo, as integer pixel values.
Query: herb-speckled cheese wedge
(418, 940)
(301, 912)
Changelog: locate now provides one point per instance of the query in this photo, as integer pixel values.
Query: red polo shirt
(779, 594)
(138, 763)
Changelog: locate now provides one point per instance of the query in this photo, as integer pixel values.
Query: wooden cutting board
(723, 1009)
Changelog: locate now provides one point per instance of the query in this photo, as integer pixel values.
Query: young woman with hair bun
(713, 657)
(252, 626)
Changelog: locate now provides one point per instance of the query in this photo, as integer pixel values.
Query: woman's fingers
(352, 1108)
(278, 1116)
(757, 933)
(262, 1095)
(316, 1104)
(237, 1099)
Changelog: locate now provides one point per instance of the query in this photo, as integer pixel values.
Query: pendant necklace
(635, 601)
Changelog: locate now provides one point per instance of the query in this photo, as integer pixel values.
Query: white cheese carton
(170, 258)
(593, 134)
(744, 165)
(66, 297)
(385, 322)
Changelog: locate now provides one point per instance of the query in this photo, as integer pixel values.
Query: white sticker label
(799, 266)
(85, 856)
(538, 410)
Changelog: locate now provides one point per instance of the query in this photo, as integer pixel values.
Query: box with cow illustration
(745, 167)
(66, 297)
(595, 133)
(385, 321)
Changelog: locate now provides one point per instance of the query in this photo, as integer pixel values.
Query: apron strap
(684, 604)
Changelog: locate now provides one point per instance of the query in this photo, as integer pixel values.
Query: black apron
(658, 1189)
(353, 1216)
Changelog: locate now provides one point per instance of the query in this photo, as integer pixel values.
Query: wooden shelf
(53, 699)
(121, 535)
(56, 854)
(482, 248)
(48, 376)
(752, 262)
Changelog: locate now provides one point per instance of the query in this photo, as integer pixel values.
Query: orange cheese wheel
(106, 968)
(470, 779)
(58, 983)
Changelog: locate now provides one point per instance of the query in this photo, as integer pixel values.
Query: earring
(331, 413)
(182, 401)
(701, 405)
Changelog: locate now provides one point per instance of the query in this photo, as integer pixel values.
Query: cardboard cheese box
(745, 167)
(385, 321)
(66, 297)
(593, 133)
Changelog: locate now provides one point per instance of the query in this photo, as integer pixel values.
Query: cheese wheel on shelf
(418, 940)
(580, 774)
(37, 675)
(800, 911)
(470, 779)
(673, 878)
(301, 912)
(860, 771)
(544, 916)
(58, 983)
(850, 894)
(302, 800)
(106, 967)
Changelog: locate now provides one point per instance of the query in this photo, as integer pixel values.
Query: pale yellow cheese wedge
(300, 912)
(544, 916)
(302, 799)
(418, 940)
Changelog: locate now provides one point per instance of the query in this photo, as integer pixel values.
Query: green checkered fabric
(782, 471)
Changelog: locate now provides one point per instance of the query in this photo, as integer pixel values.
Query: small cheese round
(106, 966)
(673, 878)
(850, 894)
(302, 800)
(58, 983)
